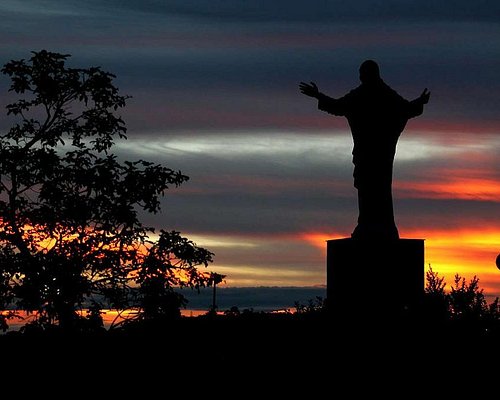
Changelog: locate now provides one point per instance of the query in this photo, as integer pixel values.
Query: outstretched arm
(325, 103)
(424, 97)
(416, 107)
(309, 89)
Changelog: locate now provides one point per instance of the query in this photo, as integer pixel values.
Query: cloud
(242, 11)
(258, 298)
(188, 66)
(289, 182)
(41, 9)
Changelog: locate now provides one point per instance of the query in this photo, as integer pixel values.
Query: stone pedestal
(370, 278)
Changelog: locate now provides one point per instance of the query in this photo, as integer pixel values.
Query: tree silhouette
(464, 302)
(69, 226)
(467, 301)
(436, 301)
(171, 262)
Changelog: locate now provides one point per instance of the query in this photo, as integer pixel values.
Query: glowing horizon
(465, 252)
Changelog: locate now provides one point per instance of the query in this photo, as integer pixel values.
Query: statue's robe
(377, 116)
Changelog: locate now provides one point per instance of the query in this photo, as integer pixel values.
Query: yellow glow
(247, 275)
(466, 252)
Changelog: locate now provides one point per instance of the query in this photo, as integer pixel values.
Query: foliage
(464, 302)
(159, 274)
(467, 300)
(435, 285)
(4, 317)
(234, 311)
(69, 209)
(313, 306)
(436, 300)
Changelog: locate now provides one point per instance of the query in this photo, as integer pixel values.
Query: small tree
(435, 299)
(464, 302)
(69, 227)
(170, 262)
(467, 301)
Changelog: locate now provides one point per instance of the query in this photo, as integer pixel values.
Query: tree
(69, 226)
(436, 302)
(170, 262)
(467, 301)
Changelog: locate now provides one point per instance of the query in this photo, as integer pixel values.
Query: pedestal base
(374, 278)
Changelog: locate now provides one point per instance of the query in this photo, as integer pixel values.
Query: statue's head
(369, 72)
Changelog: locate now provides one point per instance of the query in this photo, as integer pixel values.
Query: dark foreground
(268, 340)
(309, 357)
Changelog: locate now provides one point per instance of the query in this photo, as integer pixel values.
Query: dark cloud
(257, 298)
(446, 214)
(186, 68)
(241, 11)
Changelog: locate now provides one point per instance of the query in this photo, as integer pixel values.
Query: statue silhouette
(377, 115)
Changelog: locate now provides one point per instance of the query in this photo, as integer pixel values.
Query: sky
(214, 88)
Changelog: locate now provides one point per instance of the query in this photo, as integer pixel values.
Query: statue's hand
(424, 97)
(309, 89)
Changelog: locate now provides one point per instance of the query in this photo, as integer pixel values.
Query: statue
(377, 116)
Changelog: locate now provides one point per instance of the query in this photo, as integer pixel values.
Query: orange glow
(456, 188)
(318, 239)
(466, 252)
(109, 317)
(44, 242)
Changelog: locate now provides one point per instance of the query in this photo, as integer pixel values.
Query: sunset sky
(215, 94)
